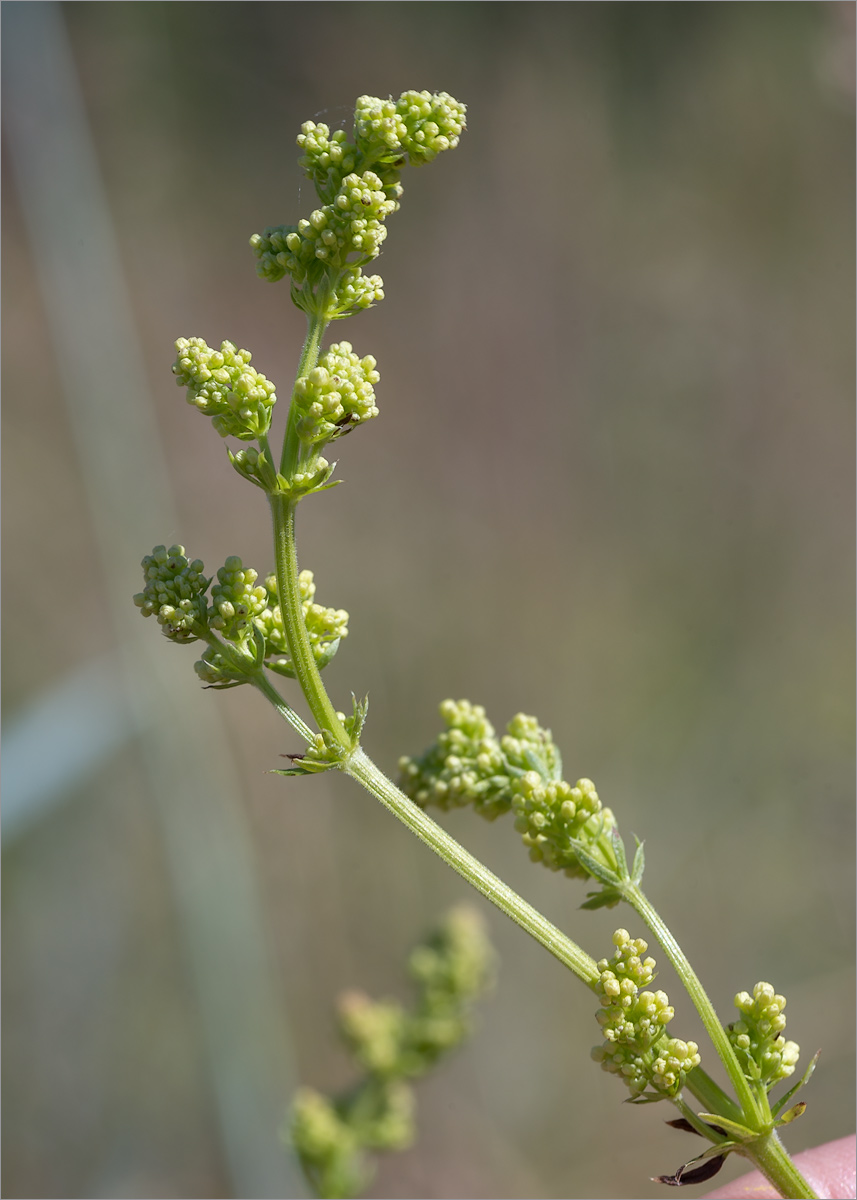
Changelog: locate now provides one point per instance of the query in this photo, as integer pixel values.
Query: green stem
(360, 767)
(309, 358)
(770, 1156)
(300, 650)
(746, 1096)
(262, 684)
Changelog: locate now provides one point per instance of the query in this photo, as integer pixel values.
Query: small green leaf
(783, 1101)
(608, 897)
(305, 765)
(360, 710)
(593, 865)
(740, 1133)
(647, 1098)
(619, 851)
(639, 863)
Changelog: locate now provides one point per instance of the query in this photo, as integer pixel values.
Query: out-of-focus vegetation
(627, 461)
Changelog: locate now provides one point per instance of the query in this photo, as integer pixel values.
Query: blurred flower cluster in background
(611, 485)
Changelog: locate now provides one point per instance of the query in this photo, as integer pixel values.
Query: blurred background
(611, 485)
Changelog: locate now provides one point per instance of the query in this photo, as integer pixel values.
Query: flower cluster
(336, 395)
(235, 601)
(464, 766)
(392, 1045)
(634, 1022)
(174, 592)
(325, 626)
(243, 623)
(222, 384)
(342, 235)
(763, 1052)
(418, 124)
(552, 816)
(357, 181)
(521, 771)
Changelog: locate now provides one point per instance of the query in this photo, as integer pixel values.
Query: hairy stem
(300, 650)
(360, 767)
(309, 358)
(770, 1156)
(264, 685)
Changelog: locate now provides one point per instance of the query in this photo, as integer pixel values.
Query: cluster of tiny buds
(758, 1037)
(633, 1023)
(551, 816)
(325, 626)
(469, 765)
(419, 124)
(357, 181)
(392, 1044)
(235, 601)
(464, 766)
(336, 395)
(174, 592)
(222, 385)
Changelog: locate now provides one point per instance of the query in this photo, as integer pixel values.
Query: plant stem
(360, 767)
(770, 1156)
(752, 1115)
(262, 684)
(300, 650)
(309, 358)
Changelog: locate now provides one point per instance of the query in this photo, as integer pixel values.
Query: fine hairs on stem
(252, 627)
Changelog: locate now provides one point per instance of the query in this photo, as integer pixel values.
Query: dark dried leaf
(687, 1175)
(684, 1124)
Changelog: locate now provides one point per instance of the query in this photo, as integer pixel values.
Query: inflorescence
(634, 1024)
(521, 772)
(392, 1045)
(358, 183)
(764, 1054)
(243, 623)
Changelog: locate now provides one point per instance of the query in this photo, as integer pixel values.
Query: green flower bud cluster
(357, 181)
(634, 1022)
(342, 235)
(464, 766)
(521, 771)
(235, 602)
(419, 124)
(552, 816)
(174, 592)
(222, 385)
(244, 614)
(763, 1052)
(326, 627)
(392, 1045)
(336, 395)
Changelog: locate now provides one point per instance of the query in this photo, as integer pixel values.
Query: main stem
(770, 1156)
(300, 650)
